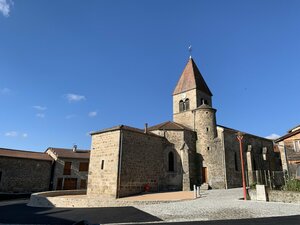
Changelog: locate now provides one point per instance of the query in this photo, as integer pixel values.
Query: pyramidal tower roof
(191, 78)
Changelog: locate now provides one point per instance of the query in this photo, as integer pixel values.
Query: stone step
(204, 186)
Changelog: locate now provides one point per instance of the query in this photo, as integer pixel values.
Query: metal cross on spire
(190, 50)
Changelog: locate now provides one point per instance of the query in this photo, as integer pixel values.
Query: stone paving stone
(218, 205)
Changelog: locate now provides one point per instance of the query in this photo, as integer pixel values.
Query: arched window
(171, 161)
(181, 106)
(186, 104)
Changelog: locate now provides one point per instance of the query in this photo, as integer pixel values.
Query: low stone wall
(43, 199)
(278, 196)
(60, 193)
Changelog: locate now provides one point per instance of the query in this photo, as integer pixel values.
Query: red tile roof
(69, 153)
(24, 154)
(191, 78)
(169, 125)
(124, 127)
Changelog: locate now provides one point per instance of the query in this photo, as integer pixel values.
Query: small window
(207, 148)
(205, 102)
(207, 129)
(102, 164)
(181, 106)
(297, 145)
(59, 184)
(83, 184)
(186, 104)
(83, 166)
(171, 161)
(236, 162)
(67, 168)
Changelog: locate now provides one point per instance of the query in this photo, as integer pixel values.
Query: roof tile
(191, 78)
(24, 154)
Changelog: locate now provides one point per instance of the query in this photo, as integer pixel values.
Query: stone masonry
(175, 155)
(104, 164)
(21, 175)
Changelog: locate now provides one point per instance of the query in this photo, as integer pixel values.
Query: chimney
(146, 128)
(74, 148)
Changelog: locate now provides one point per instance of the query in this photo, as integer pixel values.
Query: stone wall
(22, 175)
(278, 196)
(143, 163)
(181, 142)
(103, 168)
(254, 159)
(189, 161)
(185, 118)
(292, 156)
(209, 147)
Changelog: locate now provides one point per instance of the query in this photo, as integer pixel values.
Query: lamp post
(240, 138)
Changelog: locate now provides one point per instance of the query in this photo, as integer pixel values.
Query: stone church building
(175, 155)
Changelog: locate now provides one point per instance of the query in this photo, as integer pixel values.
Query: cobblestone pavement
(219, 205)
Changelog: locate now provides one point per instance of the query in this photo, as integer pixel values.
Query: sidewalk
(164, 196)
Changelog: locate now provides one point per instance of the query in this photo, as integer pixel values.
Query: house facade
(55, 169)
(70, 168)
(289, 147)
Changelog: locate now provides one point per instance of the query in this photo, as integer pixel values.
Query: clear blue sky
(68, 67)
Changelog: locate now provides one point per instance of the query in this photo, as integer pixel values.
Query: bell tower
(190, 93)
(192, 107)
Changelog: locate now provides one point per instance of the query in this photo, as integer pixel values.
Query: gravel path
(219, 204)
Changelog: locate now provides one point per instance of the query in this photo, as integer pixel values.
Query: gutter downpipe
(120, 162)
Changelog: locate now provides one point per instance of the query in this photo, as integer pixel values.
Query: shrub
(253, 185)
(292, 185)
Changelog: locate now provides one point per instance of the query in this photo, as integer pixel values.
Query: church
(175, 155)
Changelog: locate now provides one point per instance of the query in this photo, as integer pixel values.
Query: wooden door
(204, 174)
(70, 183)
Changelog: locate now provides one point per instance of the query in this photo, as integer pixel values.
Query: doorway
(70, 184)
(204, 174)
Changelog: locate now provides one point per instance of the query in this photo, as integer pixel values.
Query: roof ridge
(10, 149)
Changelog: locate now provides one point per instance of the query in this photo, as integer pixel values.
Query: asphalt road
(20, 213)
(17, 212)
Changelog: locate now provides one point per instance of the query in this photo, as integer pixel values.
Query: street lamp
(240, 138)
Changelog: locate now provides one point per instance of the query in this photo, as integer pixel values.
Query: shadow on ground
(20, 213)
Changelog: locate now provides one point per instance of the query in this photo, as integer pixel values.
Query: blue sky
(68, 67)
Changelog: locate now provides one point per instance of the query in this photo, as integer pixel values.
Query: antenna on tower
(190, 50)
